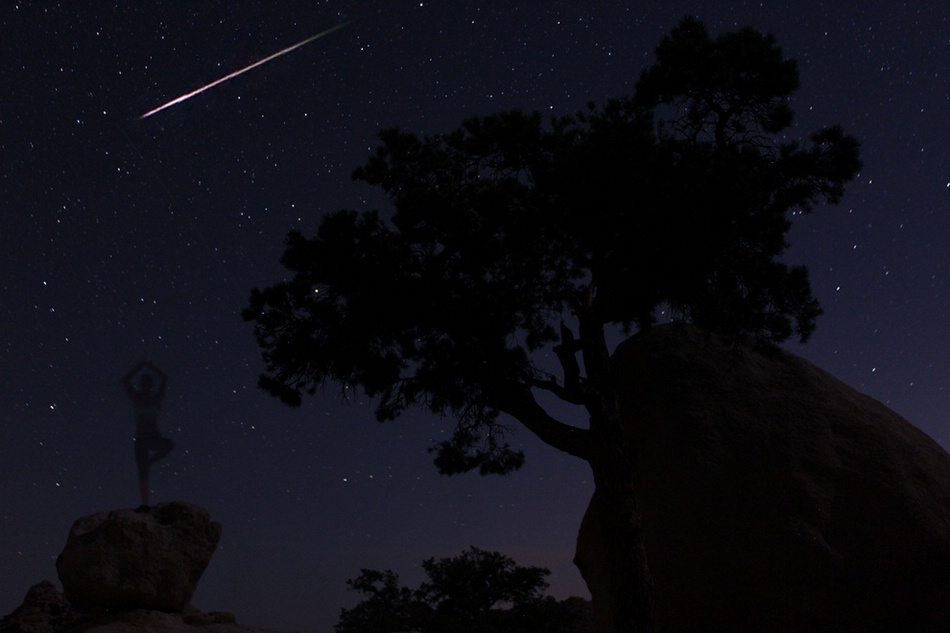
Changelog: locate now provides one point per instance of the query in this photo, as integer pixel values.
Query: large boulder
(151, 558)
(775, 497)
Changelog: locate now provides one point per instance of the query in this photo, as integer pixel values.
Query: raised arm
(162, 379)
(127, 378)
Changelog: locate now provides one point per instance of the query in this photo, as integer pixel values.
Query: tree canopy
(515, 238)
(475, 591)
(515, 233)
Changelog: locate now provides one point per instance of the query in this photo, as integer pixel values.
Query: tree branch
(517, 401)
(567, 355)
(593, 344)
(567, 395)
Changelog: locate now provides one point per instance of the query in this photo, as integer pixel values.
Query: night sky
(123, 238)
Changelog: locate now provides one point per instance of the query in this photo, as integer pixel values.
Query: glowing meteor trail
(189, 95)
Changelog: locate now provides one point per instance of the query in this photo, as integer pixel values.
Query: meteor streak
(214, 83)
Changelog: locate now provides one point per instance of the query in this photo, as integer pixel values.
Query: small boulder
(151, 558)
(44, 610)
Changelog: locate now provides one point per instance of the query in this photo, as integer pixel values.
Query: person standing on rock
(147, 394)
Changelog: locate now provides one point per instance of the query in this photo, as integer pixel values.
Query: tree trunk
(611, 554)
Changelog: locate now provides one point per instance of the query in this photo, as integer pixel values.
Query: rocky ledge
(129, 570)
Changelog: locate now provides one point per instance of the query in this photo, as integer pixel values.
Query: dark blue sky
(123, 238)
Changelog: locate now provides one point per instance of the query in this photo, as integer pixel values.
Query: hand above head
(153, 367)
(138, 367)
(149, 366)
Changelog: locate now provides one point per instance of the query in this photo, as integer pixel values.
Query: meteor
(214, 83)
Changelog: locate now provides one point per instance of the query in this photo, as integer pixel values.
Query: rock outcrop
(137, 559)
(45, 610)
(128, 571)
(775, 497)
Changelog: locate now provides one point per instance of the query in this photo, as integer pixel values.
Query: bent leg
(162, 447)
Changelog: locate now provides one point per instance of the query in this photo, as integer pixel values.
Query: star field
(124, 239)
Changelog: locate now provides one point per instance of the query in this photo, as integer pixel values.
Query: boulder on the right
(775, 498)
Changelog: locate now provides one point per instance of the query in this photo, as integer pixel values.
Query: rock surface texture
(129, 571)
(45, 610)
(137, 559)
(775, 497)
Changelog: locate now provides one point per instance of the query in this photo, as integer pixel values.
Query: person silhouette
(147, 396)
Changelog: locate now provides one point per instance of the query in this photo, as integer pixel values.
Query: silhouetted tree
(388, 606)
(513, 234)
(473, 592)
